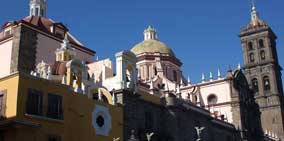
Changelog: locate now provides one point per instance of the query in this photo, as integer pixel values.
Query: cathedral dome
(151, 44)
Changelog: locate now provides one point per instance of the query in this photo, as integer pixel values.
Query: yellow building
(51, 89)
(35, 109)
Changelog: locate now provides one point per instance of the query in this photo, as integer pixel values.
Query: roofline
(206, 83)
(77, 46)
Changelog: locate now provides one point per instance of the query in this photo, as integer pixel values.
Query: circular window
(100, 121)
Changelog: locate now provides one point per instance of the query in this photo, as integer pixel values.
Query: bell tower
(263, 71)
(38, 8)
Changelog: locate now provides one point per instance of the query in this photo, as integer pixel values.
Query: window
(41, 12)
(155, 71)
(8, 32)
(2, 104)
(54, 138)
(254, 83)
(251, 57)
(58, 30)
(250, 46)
(212, 99)
(260, 43)
(2, 137)
(32, 11)
(34, 102)
(175, 75)
(58, 34)
(129, 73)
(266, 83)
(54, 106)
(36, 11)
(195, 99)
(100, 121)
(8, 29)
(262, 55)
(96, 96)
(273, 120)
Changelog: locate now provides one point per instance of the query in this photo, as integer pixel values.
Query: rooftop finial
(188, 80)
(38, 8)
(211, 76)
(203, 79)
(181, 82)
(239, 66)
(219, 74)
(150, 33)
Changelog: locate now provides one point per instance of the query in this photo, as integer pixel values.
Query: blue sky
(202, 33)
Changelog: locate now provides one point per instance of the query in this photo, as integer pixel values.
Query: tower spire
(255, 20)
(254, 13)
(38, 8)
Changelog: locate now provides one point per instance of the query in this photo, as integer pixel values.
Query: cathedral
(51, 88)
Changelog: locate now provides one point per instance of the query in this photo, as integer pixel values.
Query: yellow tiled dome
(152, 46)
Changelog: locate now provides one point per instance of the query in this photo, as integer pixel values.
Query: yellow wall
(77, 110)
(10, 84)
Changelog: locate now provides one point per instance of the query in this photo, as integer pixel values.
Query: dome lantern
(151, 44)
(150, 33)
(38, 8)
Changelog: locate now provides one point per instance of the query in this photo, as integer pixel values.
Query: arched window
(96, 96)
(194, 99)
(254, 83)
(37, 11)
(41, 12)
(262, 55)
(266, 83)
(175, 75)
(251, 57)
(212, 99)
(32, 11)
(128, 73)
(250, 46)
(260, 43)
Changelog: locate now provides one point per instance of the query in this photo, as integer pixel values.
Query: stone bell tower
(263, 72)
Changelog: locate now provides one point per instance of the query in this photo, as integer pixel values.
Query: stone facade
(169, 121)
(24, 50)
